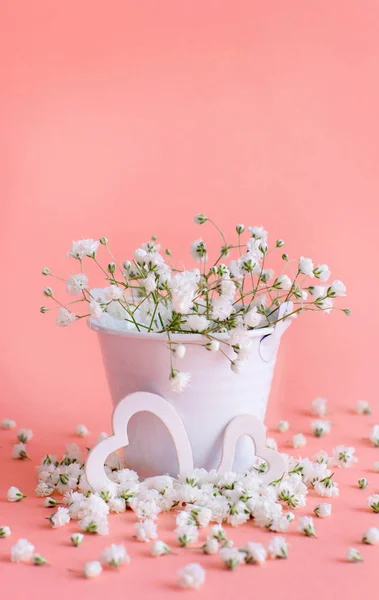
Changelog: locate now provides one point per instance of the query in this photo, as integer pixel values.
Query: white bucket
(140, 362)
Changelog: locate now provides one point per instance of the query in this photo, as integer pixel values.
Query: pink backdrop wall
(123, 119)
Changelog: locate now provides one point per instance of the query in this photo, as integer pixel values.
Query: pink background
(124, 119)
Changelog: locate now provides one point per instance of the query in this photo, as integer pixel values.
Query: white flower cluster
(221, 302)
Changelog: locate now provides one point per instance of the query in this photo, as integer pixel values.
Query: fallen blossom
(5, 531)
(76, 539)
(319, 406)
(231, 557)
(323, 510)
(191, 576)
(21, 551)
(146, 530)
(81, 431)
(114, 556)
(277, 547)
(305, 525)
(92, 569)
(14, 494)
(371, 536)
(299, 440)
(159, 548)
(373, 502)
(363, 407)
(283, 426)
(8, 424)
(353, 555)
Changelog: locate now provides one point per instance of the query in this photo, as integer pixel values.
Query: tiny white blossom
(200, 219)
(179, 351)
(337, 289)
(282, 282)
(305, 525)
(319, 406)
(362, 407)
(114, 556)
(353, 555)
(254, 553)
(185, 534)
(271, 443)
(65, 317)
(326, 487)
(75, 284)
(14, 494)
(320, 428)
(343, 456)
(19, 451)
(306, 266)
(117, 505)
(146, 530)
(231, 557)
(24, 435)
(299, 440)
(213, 346)
(191, 576)
(83, 248)
(283, 426)
(374, 436)
(322, 272)
(218, 532)
(373, 502)
(253, 318)
(38, 560)
(113, 292)
(95, 309)
(81, 431)
(60, 518)
(92, 569)
(178, 381)
(277, 547)
(210, 546)
(197, 323)
(237, 366)
(8, 424)
(76, 539)
(159, 548)
(375, 466)
(362, 483)
(323, 510)
(371, 536)
(21, 551)
(199, 250)
(5, 531)
(258, 232)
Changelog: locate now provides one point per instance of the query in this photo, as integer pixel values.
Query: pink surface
(123, 121)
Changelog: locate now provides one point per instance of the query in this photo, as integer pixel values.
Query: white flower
(321, 457)
(75, 284)
(213, 346)
(323, 510)
(45, 489)
(306, 266)
(183, 289)
(38, 560)
(305, 525)
(24, 435)
(92, 569)
(271, 443)
(277, 547)
(373, 502)
(371, 536)
(375, 466)
(159, 548)
(199, 250)
(117, 505)
(65, 317)
(8, 424)
(60, 518)
(322, 272)
(81, 431)
(319, 406)
(222, 308)
(252, 318)
(94, 523)
(114, 556)
(178, 381)
(317, 291)
(197, 323)
(254, 553)
(5, 531)
(21, 551)
(362, 408)
(362, 483)
(113, 292)
(343, 456)
(149, 283)
(283, 426)
(218, 532)
(179, 351)
(325, 305)
(210, 546)
(185, 534)
(83, 248)
(336, 289)
(353, 555)
(232, 557)
(258, 233)
(299, 440)
(191, 576)
(374, 435)
(200, 219)
(282, 282)
(19, 451)
(95, 309)
(76, 539)
(320, 428)
(237, 366)
(146, 530)
(326, 487)
(14, 494)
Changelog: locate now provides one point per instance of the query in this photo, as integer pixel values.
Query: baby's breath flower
(19, 451)
(76, 539)
(200, 219)
(326, 487)
(60, 517)
(232, 557)
(283, 426)
(336, 289)
(363, 408)
(323, 510)
(81, 431)
(353, 555)
(306, 266)
(21, 551)
(277, 547)
(213, 346)
(179, 350)
(50, 502)
(146, 530)
(210, 546)
(114, 556)
(185, 534)
(374, 436)
(299, 440)
(375, 466)
(178, 381)
(271, 443)
(282, 282)
(320, 428)
(199, 250)
(92, 569)
(305, 525)
(75, 284)
(240, 228)
(65, 317)
(237, 366)
(8, 424)
(254, 553)
(362, 483)
(191, 576)
(14, 494)
(38, 560)
(159, 548)
(322, 272)
(319, 406)
(373, 502)
(5, 531)
(343, 456)
(83, 248)
(371, 536)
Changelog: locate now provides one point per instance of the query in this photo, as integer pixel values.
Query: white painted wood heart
(240, 425)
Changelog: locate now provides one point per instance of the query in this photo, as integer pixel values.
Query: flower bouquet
(204, 339)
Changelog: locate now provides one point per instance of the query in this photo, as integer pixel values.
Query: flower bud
(43, 309)
(168, 251)
(39, 560)
(45, 271)
(240, 228)
(285, 257)
(104, 241)
(213, 270)
(48, 292)
(347, 311)
(127, 264)
(279, 243)
(200, 219)
(363, 483)
(111, 268)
